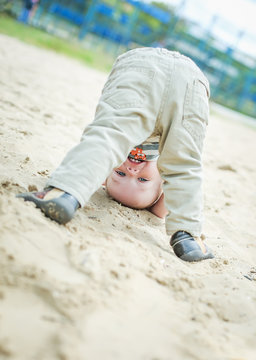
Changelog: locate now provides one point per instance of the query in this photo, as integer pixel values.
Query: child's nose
(132, 171)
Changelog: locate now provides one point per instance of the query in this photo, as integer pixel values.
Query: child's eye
(142, 179)
(120, 173)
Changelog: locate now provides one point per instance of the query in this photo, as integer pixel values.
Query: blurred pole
(43, 4)
(88, 19)
(202, 46)
(229, 59)
(170, 35)
(132, 21)
(177, 14)
(246, 91)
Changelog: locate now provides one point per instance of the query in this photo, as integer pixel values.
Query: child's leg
(184, 123)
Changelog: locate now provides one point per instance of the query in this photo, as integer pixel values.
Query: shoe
(187, 248)
(54, 203)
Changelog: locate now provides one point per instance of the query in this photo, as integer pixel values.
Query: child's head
(135, 183)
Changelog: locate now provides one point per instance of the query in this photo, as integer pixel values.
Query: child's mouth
(135, 161)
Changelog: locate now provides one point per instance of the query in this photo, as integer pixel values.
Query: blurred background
(220, 36)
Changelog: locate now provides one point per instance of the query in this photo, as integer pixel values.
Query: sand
(107, 285)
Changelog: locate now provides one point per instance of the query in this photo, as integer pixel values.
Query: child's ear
(158, 208)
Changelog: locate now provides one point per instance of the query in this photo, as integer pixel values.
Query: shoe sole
(59, 210)
(196, 255)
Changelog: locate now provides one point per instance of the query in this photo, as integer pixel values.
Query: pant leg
(125, 116)
(183, 125)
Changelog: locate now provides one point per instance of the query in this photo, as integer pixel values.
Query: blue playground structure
(125, 24)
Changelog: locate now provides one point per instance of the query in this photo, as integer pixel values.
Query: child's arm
(158, 208)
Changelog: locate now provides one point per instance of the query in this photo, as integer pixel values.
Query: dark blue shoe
(188, 249)
(54, 203)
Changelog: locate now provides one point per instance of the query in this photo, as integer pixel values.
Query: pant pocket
(128, 87)
(196, 111)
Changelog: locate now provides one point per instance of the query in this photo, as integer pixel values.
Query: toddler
(157, 98)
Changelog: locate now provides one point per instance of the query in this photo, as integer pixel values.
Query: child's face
(136, 184)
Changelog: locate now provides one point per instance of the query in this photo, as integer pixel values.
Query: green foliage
(30, 35)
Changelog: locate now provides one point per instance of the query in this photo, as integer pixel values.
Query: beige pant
(149, 91)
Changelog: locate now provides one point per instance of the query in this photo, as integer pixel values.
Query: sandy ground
(107, 285)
